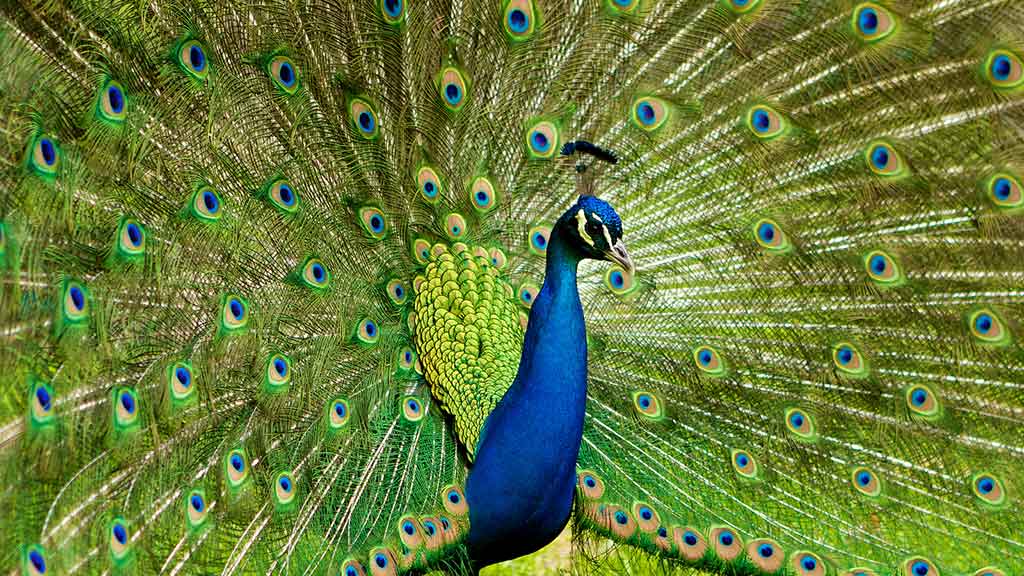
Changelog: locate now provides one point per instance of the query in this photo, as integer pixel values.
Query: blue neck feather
(521, 486)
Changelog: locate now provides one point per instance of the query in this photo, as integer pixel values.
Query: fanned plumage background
(819, 352)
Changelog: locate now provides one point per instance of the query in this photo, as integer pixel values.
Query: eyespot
(367, 331)
(195, 509)
(406, 358)
(918, 566)
(744, 464)
(882, 268)
(542, 140)
(119, 544)
(45, 156)
(989, 489)
(689, 542)
(131, 238)
(421, 250)
(179, 382)
(498, 259)
(337, 413)
(848, 359)
(75, 308)
(373, 222)
(352, 567)
(34, 561)
(708, 361)
(741, 6)
(283, 196)
(619, 522)
(726, 543)
(284, 489)
(284, 73)
(192, 59)
(765, 123)
(125, 408)
(808, 564)
(539, 237)
(206, 204)
(527, 294)
(113, 104)
(866, 482)
(990, 571)
(234, 313)
(454, 500)
(412, 409)
(922, 401)
(364, 118)
(455, 225)
(1004, 191)
(647, 404)
(382, 562)
(237, 467)
(872, 22)
(429, 184)
(883, 160)
(433, 532)
(619, 281)
(590, 484)
(278, 373)
(649, 113)
(624, 6)
(1003, 69)
(41, 400)
(453, 88)
(801, 424)
(766, 554)
(393, 11)
(519, 19)
(397, 292)
(647, 518)
(987, 327)
(314, 274)
(770, 236)
(483, 194)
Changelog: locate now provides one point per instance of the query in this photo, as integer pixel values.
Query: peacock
(342, 287)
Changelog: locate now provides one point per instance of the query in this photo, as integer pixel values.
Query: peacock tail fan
(238, 241)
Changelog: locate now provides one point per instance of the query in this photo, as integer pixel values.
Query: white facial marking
(581, 226)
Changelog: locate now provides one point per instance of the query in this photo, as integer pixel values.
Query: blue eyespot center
(429, 188)
(690, 538)
(371, 329)
(1002, 188)
(1001, 67)
(767, 232)
(762, 121)
(48, 150)
(77, 297)
(919, 397)
(43, 398)
(366, 121)
(376, 223)
(454, 497)
(408, 528)
(621, 518)
(742, 460)
(809, 563)
(286, 194)
(134, 234)
(527, 296)
(797, 420)
(128, 402)
(210, 202)
(196, 58)
(350, 571)
(285, 484)
(37, 560)
(518, 21)
(986, 485)
(481, 196)
(280, 366)
(920, 568)
(868, 21)
(540, 142)
(704, 357)
(864, 478)
(237, 463)
(408, 356)
(589, 481)
(646, 513)
(879, 264)
(318, 272)
(120, 534)
(646, 113)
(429, 527)
(983, 323)
(662, 532)
(237, 309)
(184, 378)
(726, 538)
(196, 501)
(645, 401)
(618, 281)
(539, 240)
(452, 93)
(393, 7)
(880, 157)
(339, 409)
(766, 551)
(845, 355)
(399, 292)
(116, 99)
(286, 74)
(414, 406)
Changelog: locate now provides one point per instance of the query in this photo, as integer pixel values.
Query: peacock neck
(521, 486)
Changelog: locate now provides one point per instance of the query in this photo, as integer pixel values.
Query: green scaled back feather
(216, 219)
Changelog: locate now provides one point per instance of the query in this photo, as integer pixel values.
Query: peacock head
(594, 229)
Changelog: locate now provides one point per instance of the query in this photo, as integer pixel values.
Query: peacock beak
(619, 255)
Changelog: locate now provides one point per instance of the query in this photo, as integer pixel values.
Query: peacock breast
(468, 335)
